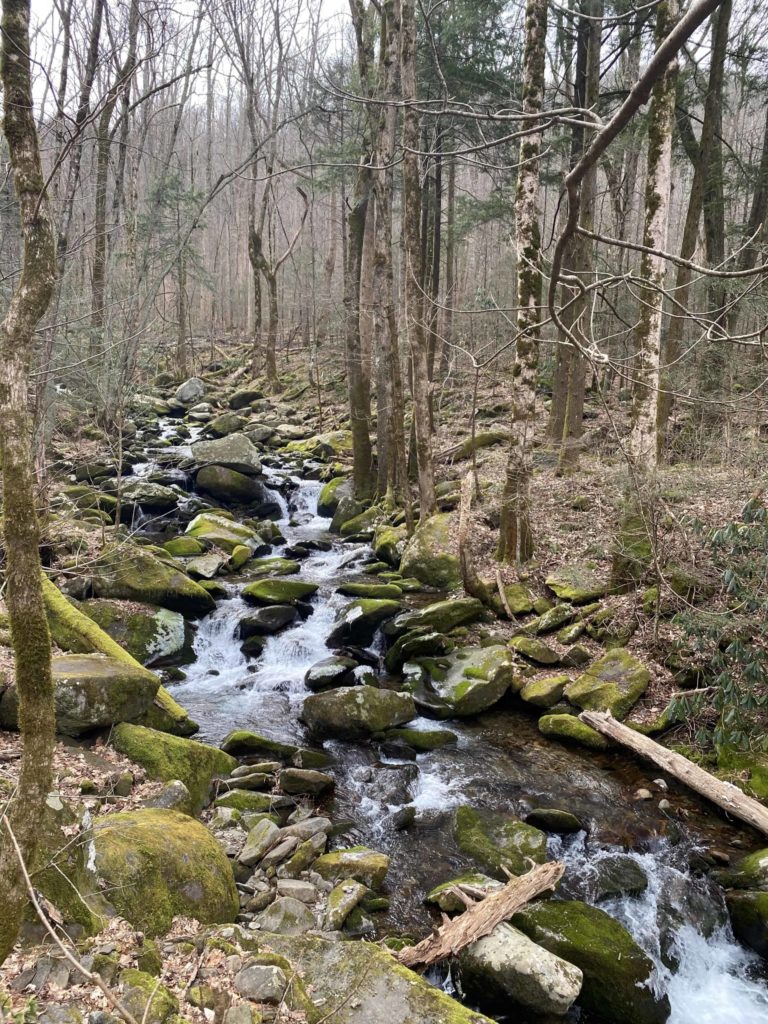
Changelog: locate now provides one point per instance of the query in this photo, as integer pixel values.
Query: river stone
(331, 494)
(389, 993)
(150, 634)
(389, 543)
(131, 573)
(614, 683)
(498, 841)
(146, 999)
(91, 691)
(552, 819)
(443, 897)
(359, 621)
(442, 616)
(245, 396)
(506, 965)
(205, 567)
(616, 875)
(334, 671)
(749, 919)
(477, 678)
(578, 584)
(225, 424)
(266, 621)
(169, 757)
(286, 916)
(262, 983)
(618, 976)
(218, 531)
(173, 797)
(422, 740)
(347, 508)
(750, 872)
(274, 566)
(544, 692)
(234, 452)
(229, 486)
(356, 712)
(190, 391)
(377, 591)
(362, 525)
(342, 900)
(157, 864)
(304, 780)
(358, 862)
(148, 495)
(305, 828)
(278, 591)
(431, 555)
(416, 645)
(570, 729)
(534, 650)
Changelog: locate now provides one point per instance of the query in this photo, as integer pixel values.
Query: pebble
(643, 794)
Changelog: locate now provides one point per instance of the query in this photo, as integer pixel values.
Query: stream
(501, 762)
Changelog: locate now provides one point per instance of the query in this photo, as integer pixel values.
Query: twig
(503, 596)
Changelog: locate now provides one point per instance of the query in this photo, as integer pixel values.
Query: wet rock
(356, 712)
(150, 496)
(617, 875)
(749, 919)
(377, 591)
(286, 916)
(331, 494)
(552, 819)
(229, 486)
(418, 644)
(614, 683)
(475, 679)
(334, 671)
(422, 740)
(750, 872)
(498, 841)
(569, 729)
(91, 692)
(342, 900)
(617, 973)
(403, 818)
(302, 780)
(447, 900)
(274, 566)
(266, 621)
(278, 591)
(534, 650)
(544, 692)
(217, 530)
(507, 965)
(355, 862)
(359, 621)
(431, 555)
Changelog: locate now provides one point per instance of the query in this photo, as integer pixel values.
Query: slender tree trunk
(515, 534)
(450, 270)
(413, 293)
(24, 596)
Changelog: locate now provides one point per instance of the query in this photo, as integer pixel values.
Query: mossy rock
(389, 543)
(362, 525)
(247, 801)
(519, 598)
(262, 567)
(347, 508)
(358, 862)
(483, 439)
(570, 729)
(235, 452)
(617, 973)
(328, 445)
(131, 573)
(150, 634)
(215, 529)
(414, 645)
(431, 555)
(498, 841)
(443, 897)
(183, 547)
(359, 621)
(578, 584)
(544, 692)
(229, 486)
(158, 864)
(475, 679)
(747, 770)
(278, 591)
(632, 550)
(422, 740)
(750, 872)
(552, 620)
(146, 999)
(331, 494)
(377, 591)
(168, 757)
(166, 715)
(356, 712)
(614, 683)
(534, 650)
(227, 423)
(749, 919)
(242, 743)
(441, 616)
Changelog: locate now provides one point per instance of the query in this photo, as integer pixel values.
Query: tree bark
(24, 597)
(515, 533)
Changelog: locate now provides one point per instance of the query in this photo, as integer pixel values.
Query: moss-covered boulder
(422, 740)
(366, 866)
(445, 897)
(613, 683)
(389, 543)
(750, 872)
(229, 486)
(431, 555)
(441, 616)
(150, 634)
(276, 566)
(498, 841)
(544, 692)
(618, 976)
(130, 573)
(569, 729)
(749, 919)
(218, 531)
(331, 494)
(359, 621)
(226, 424)
(146, 999)
(172, 757)
(356, 712)
(157, 864)
(578, 584)
(150, 496)
(183, 547)
(377, 591)
(251, 744)
(347, 508)
(235, 452)
(337, 670)
(632, 549)
(92, 691)
(277, 591)
(476, 678)
(418, 644)
(362, 525)
(534, 650)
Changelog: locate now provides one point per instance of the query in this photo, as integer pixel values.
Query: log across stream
(501, 762)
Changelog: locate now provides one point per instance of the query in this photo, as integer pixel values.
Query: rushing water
(501, 761)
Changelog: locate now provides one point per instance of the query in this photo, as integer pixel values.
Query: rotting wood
(481, 918)
(727, 796)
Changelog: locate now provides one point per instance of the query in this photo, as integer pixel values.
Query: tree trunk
(24, 597)
(515, 534)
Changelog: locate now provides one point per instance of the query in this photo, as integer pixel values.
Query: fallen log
(479, 919)
(727, 796)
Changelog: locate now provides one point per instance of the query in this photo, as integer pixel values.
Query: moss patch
(497, 841)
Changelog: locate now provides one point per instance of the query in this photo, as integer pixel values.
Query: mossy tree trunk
(515, 535)
(24, 597)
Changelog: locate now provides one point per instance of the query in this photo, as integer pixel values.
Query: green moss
(498, 841)
(276, 591)
(167, 715)
(745, 769)
(632, 552)
(443, 897)
(431, 554)
(273, 567)
(544, 692)
(750, 872)
(328, 500)
(578, 584)
(183, 547)
(362, 524)
(381, 591)
(168, 757)
(364, 865)
(535, 650)
(570, 729)
(614, 683)
(214, 528)
(749, 919)
(442, 616)
(422, 739)
(148, 633)
(389, 543)
(246, 800)
(145, 998)
(132, 573)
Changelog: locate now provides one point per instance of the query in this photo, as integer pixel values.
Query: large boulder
(613, 683)
(358, 862)
(148, 495)
(277, 591)
(331, 494)
(168, 758)
(218, 531)
(190, 392)
(359, 621)
(442, 616)
(150, 634)
(92, 691)
(227, 423)
(749, 919)
(389, 543)
(749, 872)
(477, 677)
(618, 976)
(569, 729)
(431, 555)
(157, 864)
(507, 965)
(132, 573)
(230, 486)
(578, 584)
(356, 712)
(498, 842)
(234, 452)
